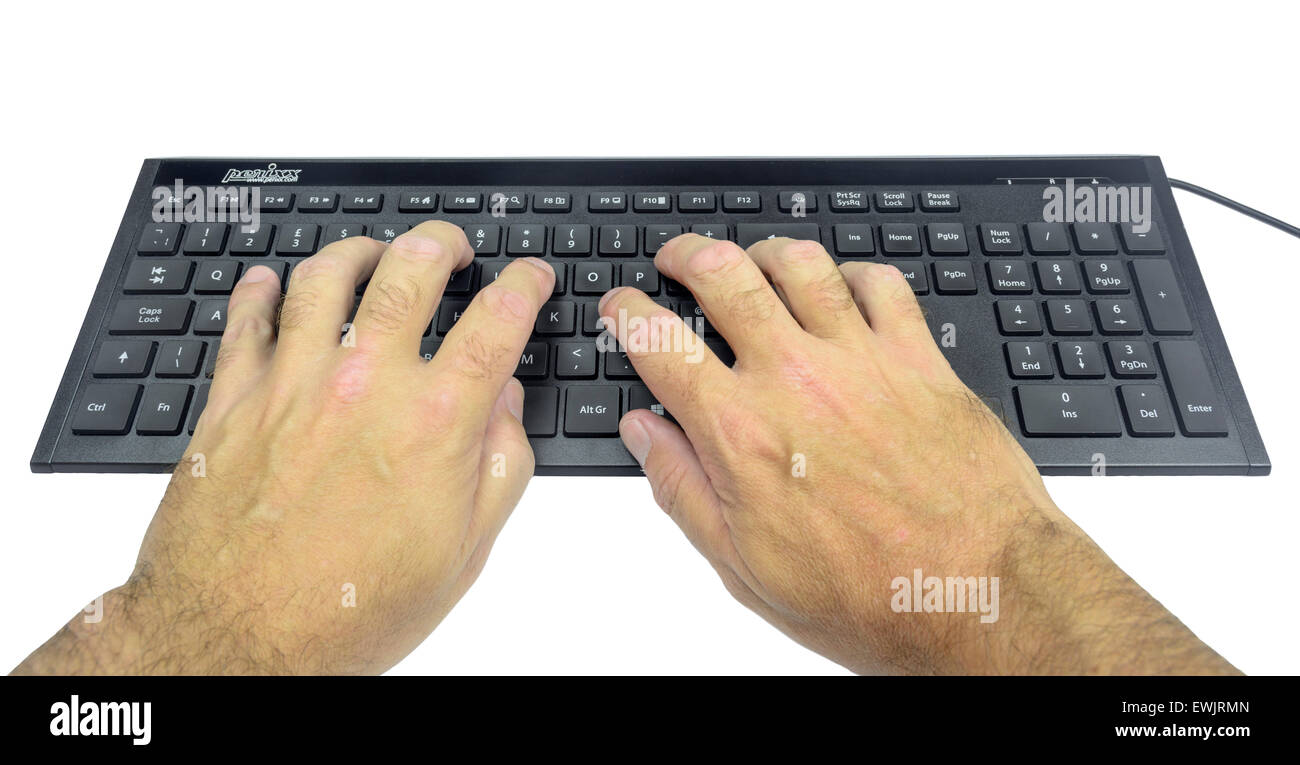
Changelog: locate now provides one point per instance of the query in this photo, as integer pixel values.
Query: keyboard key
(255, 242)
(484, 238)
(1118, 317)
(275, 201)
(741, 202)
(655, 201)
(429, 348)
(1009, 276)
(1000, 238)
(463, 201)
(363, 203)
(1068, 410)
(158, 276)
(210, 319)
(1130, 358)
(460, 282)
(105, 409)
(894, 201)
(711, 231)
(1048, 238)
(591, 410)
(954, 278)
(1068, 317)
(607, 202)
(180, 358)
(947, 238)
(163, 409)
(526, 239)
(900, 239)
(618, 366)
(1080, 360)
(124, 358)
(159, 239)
(339, 231)
(854, 239)
(320, 202)
(151, 316)
(1018, 317)
(541, 403)
(1058, 277)
(552, 202)
(205, 239)
(915, 275)
(387, 232)
(849, 200)
(593, 278)
(555, 318)
(417, 202)
(643, 276)
(1028, 360)
(197, 406)
(697, 201)
(1163, 301)
(502, 203)
(1147, 242)
(575, 360)
(1200, 410)
(572, 239)
(591, 321)
(1147, 410)
(657, 236)
(618, 240)
(533, 362)
(1095, 238)
(297, 239)
(749, 233)
(797, 202)
(449, 313)
(1105, 276)
(940, 201)
(640, 397)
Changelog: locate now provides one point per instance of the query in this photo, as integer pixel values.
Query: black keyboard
(1095, 342)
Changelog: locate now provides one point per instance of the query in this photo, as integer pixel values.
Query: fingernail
(419, 245)
(636, 438)
(541, 265)
(515, 398)
(256, 274)
(605, 298)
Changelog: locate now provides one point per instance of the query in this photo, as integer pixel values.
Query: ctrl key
(105, 409)
(591, 410)
(1068, 410)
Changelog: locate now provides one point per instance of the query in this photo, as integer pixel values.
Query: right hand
(842, 452)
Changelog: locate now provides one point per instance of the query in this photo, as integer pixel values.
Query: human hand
(842, 452)
(337, 498)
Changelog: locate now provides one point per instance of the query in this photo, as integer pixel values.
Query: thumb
(681, 486)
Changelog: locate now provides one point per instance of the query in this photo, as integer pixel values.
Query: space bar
(748, 233)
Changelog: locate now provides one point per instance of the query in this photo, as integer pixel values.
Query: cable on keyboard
(1237, 206)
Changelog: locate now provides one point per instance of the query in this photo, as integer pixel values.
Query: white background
(589, 576)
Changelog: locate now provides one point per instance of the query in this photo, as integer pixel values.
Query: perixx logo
(269, 174)
(104, 718)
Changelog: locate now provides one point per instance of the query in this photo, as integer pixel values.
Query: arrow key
(1118, 317)
(1080, 360)
(123, 358)
(1019, 317)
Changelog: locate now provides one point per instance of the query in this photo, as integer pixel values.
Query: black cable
(1238, 206)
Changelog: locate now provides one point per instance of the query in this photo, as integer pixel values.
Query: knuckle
(254, 328)
(507, 305)
(322, 265)
(480, 355)
(752, 305)
(297, 307)
(800, 252)
(831, 292)
(389, 305)
(715, 261)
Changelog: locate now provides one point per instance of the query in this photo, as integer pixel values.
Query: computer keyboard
(1094, 341)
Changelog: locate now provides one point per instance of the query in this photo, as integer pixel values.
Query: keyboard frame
(1242, 452)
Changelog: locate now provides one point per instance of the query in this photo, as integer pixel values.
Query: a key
(123, 358)
(1130, 358)
(1068, 317)
(947, 239)
(575, 360)
(217, 277)
(1068, 410)
(1080, 360)
(1163, 300)
(449, 313)
(654, 201)
(591, 323)
(180, 358)
(1199, 407)
(159, 239)
(915, 275)
(205, 239)
(572, 239)
(617, 240)
(1147, 410)
(711, 231)
(540, 406)
(105, 409)
(1058, 277)
(505, 202)
(387, 232)
(210, 318)
(900, 239)
(607, 202)
(197, 406)
(276, 201)
(749, 233)
(460, 282)
(591, 410)
(1028, 360)
(148, 276)
(429, 348)
(151, 316)
(162, 410)
(1008, 276)
(940, 201)
(696, 321)
(1019, 317)
(849, 201)
(618, 366)
(640, 397)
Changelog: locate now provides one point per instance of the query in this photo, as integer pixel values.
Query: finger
(732, 291)
(680, 484)
(506, 465)
(481, 352)
(249, 340)
(811, 284)
(321, 295)
(681, 371)
(886, 300)
(406, 286)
